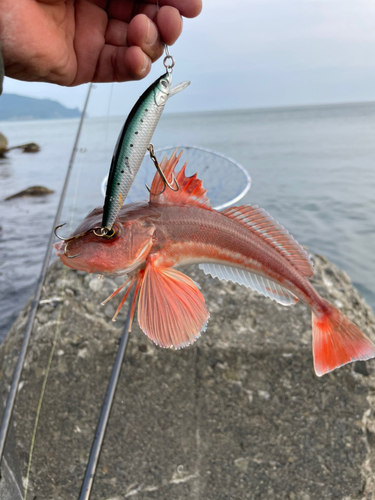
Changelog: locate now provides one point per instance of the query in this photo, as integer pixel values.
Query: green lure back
(133, 142)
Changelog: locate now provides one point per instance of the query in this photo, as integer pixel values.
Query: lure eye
(164, 84)
(105, 233)
(111, 233)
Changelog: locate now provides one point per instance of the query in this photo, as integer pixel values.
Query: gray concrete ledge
(239, 415)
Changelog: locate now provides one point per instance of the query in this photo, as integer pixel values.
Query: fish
(242, 244)
(132, 144)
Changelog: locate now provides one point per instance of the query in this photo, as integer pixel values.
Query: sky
(251, 54)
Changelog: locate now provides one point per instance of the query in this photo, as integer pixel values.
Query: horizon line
(204, 111)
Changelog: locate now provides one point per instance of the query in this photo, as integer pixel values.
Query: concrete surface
(239, 415)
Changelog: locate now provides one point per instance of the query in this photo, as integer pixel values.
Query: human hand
(70, 42)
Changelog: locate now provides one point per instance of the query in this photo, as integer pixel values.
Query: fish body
(132, 144)
(242, 244)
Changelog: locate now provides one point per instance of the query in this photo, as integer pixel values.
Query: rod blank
(107, 405)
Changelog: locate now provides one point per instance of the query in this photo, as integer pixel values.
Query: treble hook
(69, 256)
(57, 236)
(67, 240)
(161, 173)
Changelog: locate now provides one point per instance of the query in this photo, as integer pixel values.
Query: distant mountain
(19, 107)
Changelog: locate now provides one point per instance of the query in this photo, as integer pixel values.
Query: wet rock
(238, 415)
(30, 147)
(3, 144)
(31, 191)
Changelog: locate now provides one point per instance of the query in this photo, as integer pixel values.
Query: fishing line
(54, 343)
(55, 338)
(11, 474)
(108, 113)
(75, 197)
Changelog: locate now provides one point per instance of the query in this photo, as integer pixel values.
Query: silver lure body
(133, 142)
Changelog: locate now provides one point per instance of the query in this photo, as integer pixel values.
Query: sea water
(312, 169)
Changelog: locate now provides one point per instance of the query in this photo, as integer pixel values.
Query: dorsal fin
(190, 191)
(260, 222)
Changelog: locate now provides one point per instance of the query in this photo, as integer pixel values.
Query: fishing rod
(107, 405)
(34, 306)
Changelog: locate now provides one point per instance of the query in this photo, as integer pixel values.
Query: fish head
(162, 88)
(122, 252)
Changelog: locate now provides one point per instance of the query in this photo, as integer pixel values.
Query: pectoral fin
(171, 309)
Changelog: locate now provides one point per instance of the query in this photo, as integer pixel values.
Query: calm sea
(312, 168)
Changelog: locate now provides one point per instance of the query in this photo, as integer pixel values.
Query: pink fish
(242, 244)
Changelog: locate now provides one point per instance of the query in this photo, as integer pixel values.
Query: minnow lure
(132, 144)
(241, 244)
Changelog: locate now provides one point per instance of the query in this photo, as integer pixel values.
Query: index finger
(187, 8)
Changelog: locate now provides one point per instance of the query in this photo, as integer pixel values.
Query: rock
(32, 147)
(3, 144)
(238, 415)
(31, 191)
(96, 284)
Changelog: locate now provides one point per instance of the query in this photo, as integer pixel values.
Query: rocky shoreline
(239, 415)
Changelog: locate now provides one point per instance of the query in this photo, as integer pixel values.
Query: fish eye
(164, 84)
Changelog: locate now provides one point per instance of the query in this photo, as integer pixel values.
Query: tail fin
(337, 341)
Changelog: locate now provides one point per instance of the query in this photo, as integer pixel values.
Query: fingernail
(152, 34)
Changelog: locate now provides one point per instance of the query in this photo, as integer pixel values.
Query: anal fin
(251, 280)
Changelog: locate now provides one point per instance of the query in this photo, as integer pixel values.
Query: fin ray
(337, 341)
(260, 222)
(190, 191)
(171, 309)
(257, 283)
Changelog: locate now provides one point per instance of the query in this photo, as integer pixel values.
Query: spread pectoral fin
(171, 309)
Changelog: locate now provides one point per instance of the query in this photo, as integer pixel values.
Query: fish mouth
(62, 251)
(59, 247)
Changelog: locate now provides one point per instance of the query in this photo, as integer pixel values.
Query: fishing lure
(132, 145)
